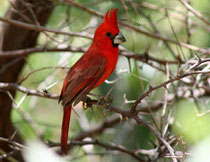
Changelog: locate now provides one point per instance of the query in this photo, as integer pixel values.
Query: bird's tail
(65, 129)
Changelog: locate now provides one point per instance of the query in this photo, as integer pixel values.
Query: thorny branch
(163, 85)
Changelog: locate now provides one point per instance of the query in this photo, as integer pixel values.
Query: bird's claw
(86, 103)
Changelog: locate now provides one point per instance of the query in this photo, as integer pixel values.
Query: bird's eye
(108, 34)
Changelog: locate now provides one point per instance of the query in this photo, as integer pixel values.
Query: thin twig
(196, 13)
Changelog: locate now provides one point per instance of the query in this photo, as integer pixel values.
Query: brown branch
(42, 29)
(28, 51)
(146, 57)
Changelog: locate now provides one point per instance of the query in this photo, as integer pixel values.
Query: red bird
(92, 69)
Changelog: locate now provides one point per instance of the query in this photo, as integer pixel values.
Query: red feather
(65, 129)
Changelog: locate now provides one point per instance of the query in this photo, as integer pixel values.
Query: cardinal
(92, 69)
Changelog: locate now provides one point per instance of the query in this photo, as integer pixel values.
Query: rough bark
(13, 38)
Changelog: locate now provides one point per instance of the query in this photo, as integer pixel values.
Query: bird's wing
(82, 78)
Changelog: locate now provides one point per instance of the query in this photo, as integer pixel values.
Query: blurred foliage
(3, 7)
(47, 114)
(193, 127)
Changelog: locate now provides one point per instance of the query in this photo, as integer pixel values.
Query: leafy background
(133, 78)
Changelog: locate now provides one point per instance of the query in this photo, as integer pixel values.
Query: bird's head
(107, 35)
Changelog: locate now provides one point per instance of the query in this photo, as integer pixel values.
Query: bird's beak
(119, 38)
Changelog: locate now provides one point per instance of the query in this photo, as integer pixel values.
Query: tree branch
(42, 29)
(12, 86)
